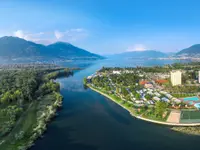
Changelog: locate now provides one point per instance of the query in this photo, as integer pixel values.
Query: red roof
(143, 82)
(161, 81)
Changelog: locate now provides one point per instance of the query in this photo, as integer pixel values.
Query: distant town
(166, 95)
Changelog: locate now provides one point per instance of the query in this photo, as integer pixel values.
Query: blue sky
(104, 26)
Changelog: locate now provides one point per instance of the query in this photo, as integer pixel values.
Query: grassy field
(25, 124)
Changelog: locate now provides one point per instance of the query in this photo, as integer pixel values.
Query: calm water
(89, 121)
(194, 98)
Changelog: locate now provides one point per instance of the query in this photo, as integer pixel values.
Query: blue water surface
(194, 98)
(89, 121)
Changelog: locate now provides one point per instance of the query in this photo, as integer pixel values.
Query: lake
(89, 121)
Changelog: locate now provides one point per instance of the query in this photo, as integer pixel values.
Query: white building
(156, 98)
(157, 94)
(176, 100)
(139, 102)
(176, 77)
(116, 72)
(169, 96)
(165, 99)
(199, 76)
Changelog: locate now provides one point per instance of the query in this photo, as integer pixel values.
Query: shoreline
(142, 118)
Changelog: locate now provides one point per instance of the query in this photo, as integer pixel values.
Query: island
(167, 95)
(29, 98)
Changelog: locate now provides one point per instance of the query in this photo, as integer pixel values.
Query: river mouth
(89, 121)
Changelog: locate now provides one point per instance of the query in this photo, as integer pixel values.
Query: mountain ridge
(192, 50)
(14, 47)
(141, 54)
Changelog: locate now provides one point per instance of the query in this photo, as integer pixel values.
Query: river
(89, 121)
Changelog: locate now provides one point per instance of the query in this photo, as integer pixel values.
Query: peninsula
(167, 95)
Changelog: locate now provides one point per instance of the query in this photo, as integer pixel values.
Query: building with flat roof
(116, 72)
(176, 77)
(199, 76)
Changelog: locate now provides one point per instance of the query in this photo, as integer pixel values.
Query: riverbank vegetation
(28, 100)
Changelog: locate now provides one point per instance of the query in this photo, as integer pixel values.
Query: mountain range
(193, 51)
(140, 54)
(14, 47)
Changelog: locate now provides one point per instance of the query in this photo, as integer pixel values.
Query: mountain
(140, 54)
(13, 47)
(191, 51)
(63, 49)
(16, 47)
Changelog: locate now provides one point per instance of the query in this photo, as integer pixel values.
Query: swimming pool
(194, 98)
(197, 105)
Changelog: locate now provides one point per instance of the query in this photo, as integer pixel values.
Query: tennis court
(188, 116)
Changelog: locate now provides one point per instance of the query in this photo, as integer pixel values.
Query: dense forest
(28, 100)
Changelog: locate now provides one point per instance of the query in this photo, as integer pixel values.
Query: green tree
(160, 108)
(6, 98)
(148, 97)
(137, 96)
(124, 91)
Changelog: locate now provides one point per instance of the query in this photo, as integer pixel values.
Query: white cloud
(71, 34)
(58, 34)
(26, 35)
(137, 47)
(20, 34)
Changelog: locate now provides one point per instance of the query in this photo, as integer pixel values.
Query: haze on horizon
(104, 27)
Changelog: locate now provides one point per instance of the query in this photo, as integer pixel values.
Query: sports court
(188, 116)
(174, 116)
